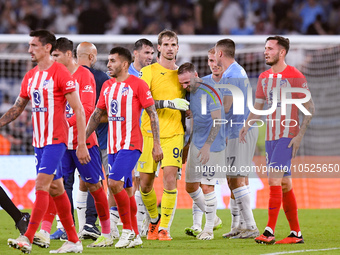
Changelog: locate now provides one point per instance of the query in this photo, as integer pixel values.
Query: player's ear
(48, 47)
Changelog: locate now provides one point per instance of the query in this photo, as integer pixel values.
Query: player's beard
(274, 61)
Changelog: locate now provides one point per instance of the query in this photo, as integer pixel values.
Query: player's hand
(157, 153)
(242, 135)
(185, 153)
(295, 142)
(204, 153)
(177, 104)
(83, 154)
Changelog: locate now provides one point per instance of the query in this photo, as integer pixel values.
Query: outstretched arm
(94, 121)
(177, 104)
(14, 111)
(157, 152)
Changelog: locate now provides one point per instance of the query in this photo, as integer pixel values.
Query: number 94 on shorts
(172, 153)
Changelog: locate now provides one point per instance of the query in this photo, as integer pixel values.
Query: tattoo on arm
(151, 111)
(307, 118)
(215, 128)
(213, 133)
(94, 121)
(14, 111)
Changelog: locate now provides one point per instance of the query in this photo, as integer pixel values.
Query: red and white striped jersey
(46, 89)
(278, 125)
(86, 86)
(123, 102)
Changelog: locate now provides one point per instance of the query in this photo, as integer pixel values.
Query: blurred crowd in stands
(242, 17)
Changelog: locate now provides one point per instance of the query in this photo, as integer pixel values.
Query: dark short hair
(228, 47)
(63, 44)
(186, 67)
(122, 52)
(282, 41)
(45, 37)
(166, 33)
(139, 44)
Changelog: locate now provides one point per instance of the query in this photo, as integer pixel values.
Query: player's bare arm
(295, 142)
(82, 152)
(186, 147)
(205, 150)
(96, 118)
(14, 111)
(227, 102)
(157, 152)
(249, 122)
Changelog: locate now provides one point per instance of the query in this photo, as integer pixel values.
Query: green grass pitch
(320, 228)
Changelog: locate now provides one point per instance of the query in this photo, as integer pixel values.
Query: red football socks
(123, 205)
(63, 206)
(38, 212)
(49, 216)
(275, 197)
(102, 208)
(291, 210)
(133, 208)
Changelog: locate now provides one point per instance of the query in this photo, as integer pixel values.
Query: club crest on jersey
(125, 91)
(114, 107)
(45, 84)
(283, 83)
(36, 97)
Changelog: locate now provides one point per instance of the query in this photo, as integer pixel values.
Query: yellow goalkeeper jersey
(164, 85)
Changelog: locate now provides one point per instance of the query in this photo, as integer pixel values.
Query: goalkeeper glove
(177, 104)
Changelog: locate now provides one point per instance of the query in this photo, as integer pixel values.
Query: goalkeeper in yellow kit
(168, 95)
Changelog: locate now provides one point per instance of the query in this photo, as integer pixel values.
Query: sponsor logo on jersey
(148, 95)
(88, 88)
(163, 73)
(116, 118)
(114, 107)
(70, 85)
(36, 97)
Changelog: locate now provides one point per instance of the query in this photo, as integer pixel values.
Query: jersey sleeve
(65, 80)
(213, 104)
(24, 85)
(260, 97)
(144, 94)
(87, 94)
(101, 99)
(299, 81)
(146, 75)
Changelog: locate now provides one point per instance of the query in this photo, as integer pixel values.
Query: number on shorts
(208, 171)
(231, 161)
(177, 152)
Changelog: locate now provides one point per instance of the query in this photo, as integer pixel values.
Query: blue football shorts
(278, 155)
(121, 165)
(48, 159)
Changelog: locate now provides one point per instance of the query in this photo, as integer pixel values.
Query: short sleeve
(24, 86)
(259, 94)
(144, 94)
(101, 99)
(65, 80)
